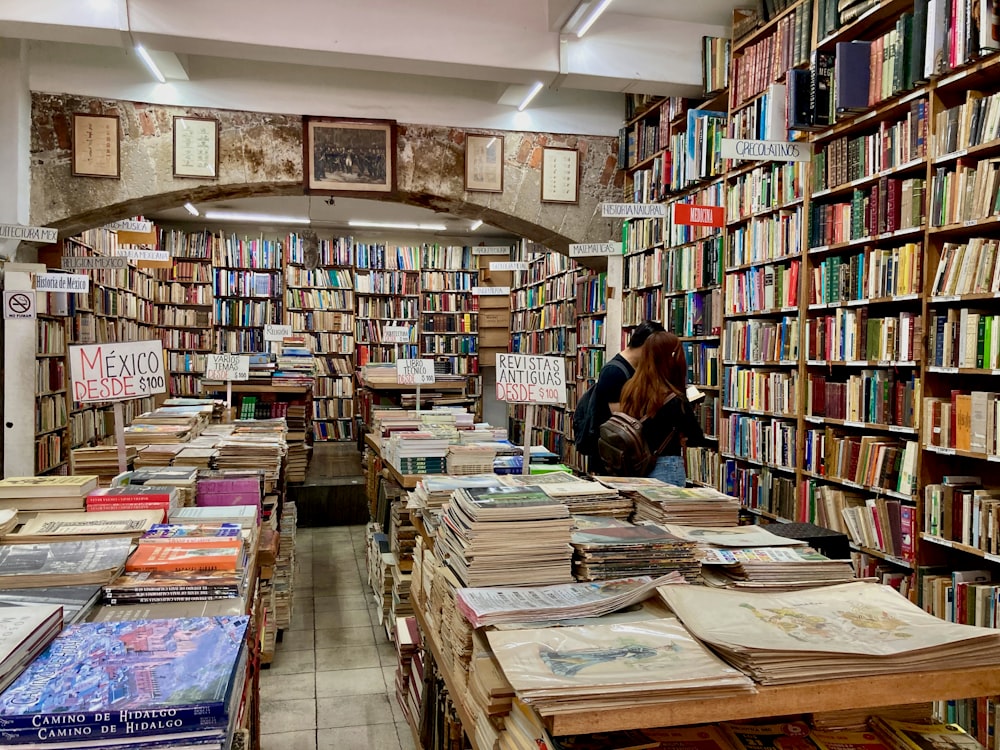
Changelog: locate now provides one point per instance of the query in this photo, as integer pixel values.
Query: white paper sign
(143, 254)
(41, 235)
(633, 210)
(273, 332)
(395, 334)
(741, 148)
(77, 283)
(111, 372)
(508, 265)
(18, 305)
(131, 225)
(70, 263)
(527, 379)
(227, 367)
(594, 249)
(490, 291)
(494, 250)
(414, 371)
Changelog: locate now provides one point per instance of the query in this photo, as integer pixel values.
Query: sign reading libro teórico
(526, 379)
(111, 372)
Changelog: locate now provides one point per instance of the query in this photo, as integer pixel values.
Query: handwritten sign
(491, 250)
(111, 372)
(76, 283)
(740, 148)
(135, 253)
(527, 379)
(41, 235)
(594, 249)
(633, 210)
(414, 371)
(227, 367)
(95, 263)
(131, 225)
(274, 332)
(490, 291)
(508, 265)
(687, 214)
(395, 334)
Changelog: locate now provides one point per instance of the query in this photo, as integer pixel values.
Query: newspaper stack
(599, 667)
(434, 492)
(157, 455)
(101, 460)
(250, 448)
(692, 506)
(630, 486)
(199, 457)
(852, 630)
(494, 536)
(284, 567)
(606, 548)
(579, 495)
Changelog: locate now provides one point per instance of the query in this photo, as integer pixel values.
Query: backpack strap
(618, 365)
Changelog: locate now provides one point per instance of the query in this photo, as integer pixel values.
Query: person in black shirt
(613, 377)
(661, 372)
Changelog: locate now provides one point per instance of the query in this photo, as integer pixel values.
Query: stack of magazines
(694, 506)
(606, 548)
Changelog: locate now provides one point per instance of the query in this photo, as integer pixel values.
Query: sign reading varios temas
(112, 372)
(414, 371)
(526, 379)
(227, 367)
(741, 148)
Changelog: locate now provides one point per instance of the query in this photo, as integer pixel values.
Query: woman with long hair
(657, 394)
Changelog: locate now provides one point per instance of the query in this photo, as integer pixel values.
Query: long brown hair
(662, 370)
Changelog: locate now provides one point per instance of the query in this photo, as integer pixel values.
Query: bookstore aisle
(330, 686)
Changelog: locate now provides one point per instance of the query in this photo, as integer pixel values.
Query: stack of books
(588, 498)
(231, 487)
(692, 506)
(284, 566)
(46, 493)
(192, 670)
(27, 631)
(182, 478)
(101, 460)
(773, 569)
(254, 444)
(296, 364)
(431, 493)
(59, 563)
(157, 455)
(418, 452)
(139, 497)
(197, 456)
(244, 515)
(77, 525)
(606, 548)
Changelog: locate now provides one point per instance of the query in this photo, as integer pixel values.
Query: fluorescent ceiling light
(602, 5)
(531, 95)
(254, 218)
(395, 225)
(191, 209)
(475, 225)
(150, 64)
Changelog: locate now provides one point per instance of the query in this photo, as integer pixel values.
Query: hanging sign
(492, 250)
(595, 249)
(161, 256)
(741, 148)
(395, 334)
(131, 225)
(227, 367)
(273, 332)
(633, 210)
(75, 283)
(41, 235)
(95, 263)
(490, 291)
(527, 379)
(699, 216)
(508, 265)
(415, 371)
(18, 305)
(109, 372)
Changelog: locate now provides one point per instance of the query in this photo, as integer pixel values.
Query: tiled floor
(331, 685)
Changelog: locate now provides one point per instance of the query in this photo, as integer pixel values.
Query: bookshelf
(591, 318)
(52, 426)
(386, 282)
(246, 290)
(319, 305)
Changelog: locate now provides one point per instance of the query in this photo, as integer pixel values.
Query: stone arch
(261, 154)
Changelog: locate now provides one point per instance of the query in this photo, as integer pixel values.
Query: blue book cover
(115, 679)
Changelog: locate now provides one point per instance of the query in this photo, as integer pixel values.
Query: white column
(613, 320)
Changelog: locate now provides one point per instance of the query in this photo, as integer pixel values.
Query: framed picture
(349, 156)
(560, 175)
(96, 146)
(484, 163)
(196, 147)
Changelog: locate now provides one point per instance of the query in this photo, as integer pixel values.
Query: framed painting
(349, 156)
(484, 163)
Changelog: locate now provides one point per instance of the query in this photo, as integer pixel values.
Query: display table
(406, 481)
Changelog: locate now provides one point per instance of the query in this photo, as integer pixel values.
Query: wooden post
(529, 420)
(120, 437)
(229, 394)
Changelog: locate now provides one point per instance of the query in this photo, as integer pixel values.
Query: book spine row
(760, 488)
(448, 281)
(644, 270)
(965, 193)
(768, 238)
(247, 253)
(872, 396)
(695, 313)
(387, 282)
(868, 462)
(186, 271)
(453, 256)
(450, 323)
(965, 421)
(694, 266)
(381, 257)
(969, 268)
(767, 441)
(183, 317)
(888, 206)
(766, 61)
(703, 364)
(440, 302)
(183, 294)
(702, 465)
(762, 289)
(237, 312)
(333, 409)
(753, 389)
(643, 233)
(239, 341)
(761, 341)
(765, 188)
(849, 335)
(319, 299)
(641, 305)
(320, 278)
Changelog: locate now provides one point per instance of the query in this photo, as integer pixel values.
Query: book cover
(19, 561)
(846, 740)
(924, 736)
(208, 554)
(96, 522)
(70, 486)
(790, 735)
(177, 532)
(852, 76)
(106, 677)
(75, 601)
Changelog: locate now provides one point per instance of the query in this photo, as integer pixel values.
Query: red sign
(699, 216)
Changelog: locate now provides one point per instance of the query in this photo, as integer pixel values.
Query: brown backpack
(623, 450)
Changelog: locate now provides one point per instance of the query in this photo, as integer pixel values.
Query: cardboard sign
(494, 250)
(594, 249)
(741, 148)
(18, 305)
(633, 210)
(414, 371)
(160, 256)
(227, 367)
(41, 235)
(699, 216)
(490, 291)
(111, 372)
(274, 332)
(395, 334)
(527, 379)
(75, 283)
(508, 265)
(95, 263)
(131, 225)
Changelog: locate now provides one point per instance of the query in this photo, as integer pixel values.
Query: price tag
(227, 367)
(527, 379)
(112, 372)
(414, 371)
(944, 451)
(395, 334)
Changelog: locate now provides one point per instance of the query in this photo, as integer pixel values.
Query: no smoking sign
(18, 305)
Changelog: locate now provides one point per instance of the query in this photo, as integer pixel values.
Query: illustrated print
(570, 663)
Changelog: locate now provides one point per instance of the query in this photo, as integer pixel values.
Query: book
(852, 75)
(172, 533)
(131, 523)
(789, 735)
(26, 631)
(62, 563)
(76, 601)
(904, 735)
(45, 493)
(207, 554)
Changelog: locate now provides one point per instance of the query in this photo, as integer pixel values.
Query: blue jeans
(670, 469)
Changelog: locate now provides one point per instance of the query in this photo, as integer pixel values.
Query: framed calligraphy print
(96, 146)
(560, 175)
(196, 147)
